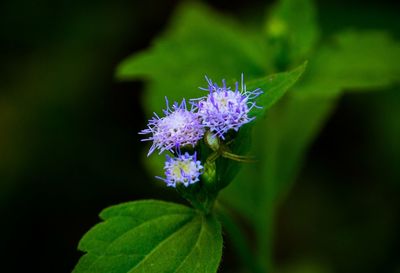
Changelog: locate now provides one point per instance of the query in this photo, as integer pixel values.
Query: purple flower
(179, 127)
(184, 169)
(224, 109)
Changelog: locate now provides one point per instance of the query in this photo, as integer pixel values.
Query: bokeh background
(69, 145)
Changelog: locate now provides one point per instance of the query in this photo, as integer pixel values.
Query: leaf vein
(160, 244)
(194, 246)
(154, 219)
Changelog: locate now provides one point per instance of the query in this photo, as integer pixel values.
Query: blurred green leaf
(353, 61)
(198, 42)
(274, 87)
(357, 61)
(151, 236)
(292, 23)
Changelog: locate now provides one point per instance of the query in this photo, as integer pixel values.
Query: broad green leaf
(353, 60)
(293, 22)
(198, 42)
(151, 236)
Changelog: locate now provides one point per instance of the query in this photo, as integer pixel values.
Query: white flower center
(181, 169)
(175, 123)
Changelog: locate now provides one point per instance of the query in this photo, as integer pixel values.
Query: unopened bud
(209, 175)
(212, 141)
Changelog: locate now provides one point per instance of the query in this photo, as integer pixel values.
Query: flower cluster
(222, 110)
(180, 127)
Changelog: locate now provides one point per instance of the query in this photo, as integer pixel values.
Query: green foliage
(356, 61)
(291, 28)
(274, 86)
(353, 60)
(151, 236)
(198, 42)
(350, 61)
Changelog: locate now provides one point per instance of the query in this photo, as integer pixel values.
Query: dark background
(69, 145)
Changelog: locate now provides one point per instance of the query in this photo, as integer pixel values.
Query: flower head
(179, 127)
(184, 169)
(224, 109)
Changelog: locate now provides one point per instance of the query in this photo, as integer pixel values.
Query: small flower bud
(209, 175)
(212, 141)
(276, 28)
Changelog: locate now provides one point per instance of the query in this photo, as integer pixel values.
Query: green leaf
(151, 236)
(353, 61)
(198, 42)
(293, 23)
(274, 87)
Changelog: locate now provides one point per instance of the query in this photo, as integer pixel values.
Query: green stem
(238, 239)
(201, 200)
